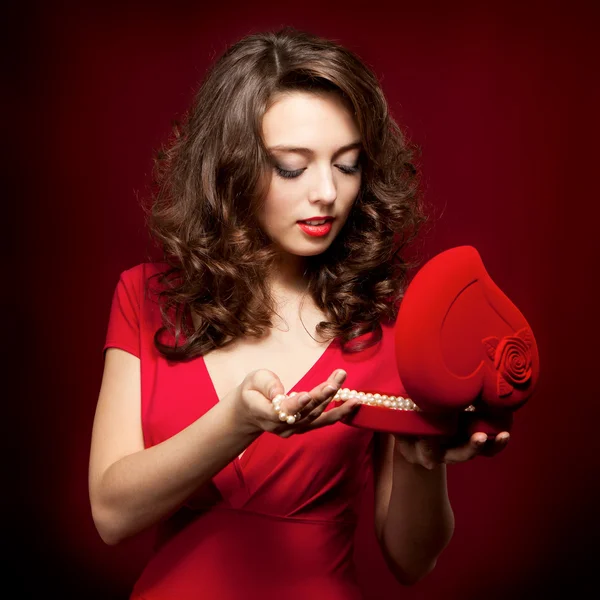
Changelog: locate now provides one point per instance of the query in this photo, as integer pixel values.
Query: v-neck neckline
(307, 374)
(241, 462)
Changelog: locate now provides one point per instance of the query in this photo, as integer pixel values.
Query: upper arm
(117, 429)
(383, 459)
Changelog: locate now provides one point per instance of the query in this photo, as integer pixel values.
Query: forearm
(419, 521)
(142, 488)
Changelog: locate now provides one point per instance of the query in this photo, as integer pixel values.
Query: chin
(303, 247)
(304, 253)
(310, 249)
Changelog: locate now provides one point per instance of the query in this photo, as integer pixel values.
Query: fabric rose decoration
(512, 359)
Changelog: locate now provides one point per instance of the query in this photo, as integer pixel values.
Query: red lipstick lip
(316, 219)
(316, 230)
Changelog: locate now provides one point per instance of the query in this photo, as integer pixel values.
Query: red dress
(280, 521)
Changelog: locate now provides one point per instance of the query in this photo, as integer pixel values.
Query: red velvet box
(465, 353)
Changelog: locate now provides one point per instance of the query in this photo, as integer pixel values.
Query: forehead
(307, 119)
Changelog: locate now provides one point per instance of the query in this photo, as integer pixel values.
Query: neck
(287, 276)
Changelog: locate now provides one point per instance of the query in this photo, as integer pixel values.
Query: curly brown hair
(210, 179)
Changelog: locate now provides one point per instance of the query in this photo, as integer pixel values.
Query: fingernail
(481, 441)
(340, 376)
(304, 398)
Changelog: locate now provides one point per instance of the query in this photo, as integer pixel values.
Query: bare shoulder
(117, 429)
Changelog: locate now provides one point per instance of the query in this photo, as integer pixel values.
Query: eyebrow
(308, 151)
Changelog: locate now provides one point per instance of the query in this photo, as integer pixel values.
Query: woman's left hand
(430, 452)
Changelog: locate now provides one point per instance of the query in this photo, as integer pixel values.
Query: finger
(466, 451)
(307, 406)
(324, 398)
(266, 382)
(317, 412)
(299, 405)
(287, 408)
(494, 446)
(322, 395)
(263, 384)
(335, 414)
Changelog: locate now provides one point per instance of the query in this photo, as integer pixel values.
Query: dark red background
(501, 97)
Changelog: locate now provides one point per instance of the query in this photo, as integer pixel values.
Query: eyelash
(291, 174)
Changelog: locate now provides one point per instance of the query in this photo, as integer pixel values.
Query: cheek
(274, 213)
(349, 185)
(350, 194)
(280, 202)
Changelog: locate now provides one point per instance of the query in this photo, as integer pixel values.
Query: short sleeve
(124, 319)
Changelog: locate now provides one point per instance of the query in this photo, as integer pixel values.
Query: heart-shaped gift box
(465, 354)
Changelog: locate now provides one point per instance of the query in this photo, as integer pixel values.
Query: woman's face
(315, 146)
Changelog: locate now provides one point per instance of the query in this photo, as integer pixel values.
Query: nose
(323, 187)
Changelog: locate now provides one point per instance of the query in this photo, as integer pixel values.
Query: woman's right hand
(254, 400)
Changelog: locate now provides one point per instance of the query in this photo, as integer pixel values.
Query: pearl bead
(282, 415)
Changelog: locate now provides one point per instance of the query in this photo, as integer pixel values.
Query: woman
(214, 420)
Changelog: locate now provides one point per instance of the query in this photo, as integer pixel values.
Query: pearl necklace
(393, 402)
(383, 400)
(367, 398)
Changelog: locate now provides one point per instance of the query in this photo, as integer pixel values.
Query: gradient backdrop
(501, 97)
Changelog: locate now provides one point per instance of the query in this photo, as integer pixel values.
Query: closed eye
(347, 170)
(288, 174)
